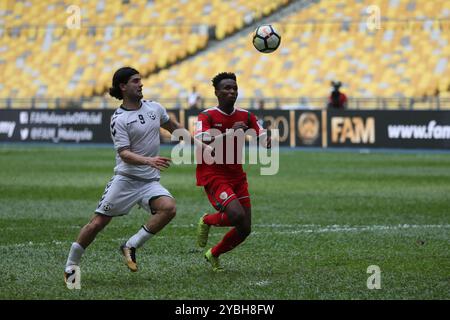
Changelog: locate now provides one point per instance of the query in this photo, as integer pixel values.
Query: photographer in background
(337, 99)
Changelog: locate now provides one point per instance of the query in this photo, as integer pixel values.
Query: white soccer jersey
(138, 130)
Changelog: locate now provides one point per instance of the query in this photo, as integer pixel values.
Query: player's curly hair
(223, 75)
(122, 75)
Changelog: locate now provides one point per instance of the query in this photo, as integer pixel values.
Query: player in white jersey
(135, 132)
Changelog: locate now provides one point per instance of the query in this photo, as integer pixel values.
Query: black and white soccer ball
(266, 39)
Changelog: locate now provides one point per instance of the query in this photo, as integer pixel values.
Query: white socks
(139, 238)
(136, 241)
(76, 251)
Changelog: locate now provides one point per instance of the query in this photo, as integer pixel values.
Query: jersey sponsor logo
(131, 122)
(217, 124)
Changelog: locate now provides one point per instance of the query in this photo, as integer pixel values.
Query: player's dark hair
(122, 75)
(221, 76)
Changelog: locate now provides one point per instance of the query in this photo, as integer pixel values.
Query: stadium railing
(376, 103)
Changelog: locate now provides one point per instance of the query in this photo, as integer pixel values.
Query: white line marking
(345, 228)
(308, 228)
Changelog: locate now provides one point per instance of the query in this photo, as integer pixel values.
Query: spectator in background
(194, 99)
(337, 99)
(260, 104)
(437, 93)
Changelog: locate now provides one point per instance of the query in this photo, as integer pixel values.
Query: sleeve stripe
(123, 148)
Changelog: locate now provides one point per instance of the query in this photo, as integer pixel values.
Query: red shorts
(222, 191)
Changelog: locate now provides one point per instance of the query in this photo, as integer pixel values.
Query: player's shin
(218, 219)
(231, 240)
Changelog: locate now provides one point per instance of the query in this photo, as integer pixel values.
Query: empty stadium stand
(404, 62)
(46, 54)
(407, 57)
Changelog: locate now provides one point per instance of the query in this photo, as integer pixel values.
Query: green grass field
(317, 226)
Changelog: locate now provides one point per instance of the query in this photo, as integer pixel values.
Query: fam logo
(308, 128)
(354, 130)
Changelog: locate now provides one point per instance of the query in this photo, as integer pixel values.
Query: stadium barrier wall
(387, 129)
(304, 128)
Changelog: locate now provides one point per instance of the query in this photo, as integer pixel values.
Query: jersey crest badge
(223, 195)
(152, 115)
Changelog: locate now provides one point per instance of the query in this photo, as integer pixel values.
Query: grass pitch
(317, 226)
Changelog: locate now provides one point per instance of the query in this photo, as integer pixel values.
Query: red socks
(218, 219)
(229, 241)
(231, 238)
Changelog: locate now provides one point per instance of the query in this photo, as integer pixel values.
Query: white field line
(346, 228)
(181, 226)
(277, 229)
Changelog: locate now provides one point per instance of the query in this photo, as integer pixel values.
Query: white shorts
(123, 193)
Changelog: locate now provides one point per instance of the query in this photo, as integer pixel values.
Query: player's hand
(159, 163)
(239, 125)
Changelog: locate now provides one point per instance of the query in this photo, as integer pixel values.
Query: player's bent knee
(235, 213)
(171, 212)
(168, 212)
(232, 217)
(236, 218)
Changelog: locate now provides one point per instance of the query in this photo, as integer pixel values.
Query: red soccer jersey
(217, 119)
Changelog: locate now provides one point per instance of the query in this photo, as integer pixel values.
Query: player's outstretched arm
(171, 125)
(157, 162)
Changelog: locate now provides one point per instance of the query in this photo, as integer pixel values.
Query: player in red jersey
(225, 183)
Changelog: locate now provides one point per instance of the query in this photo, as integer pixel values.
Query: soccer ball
(266, 39)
